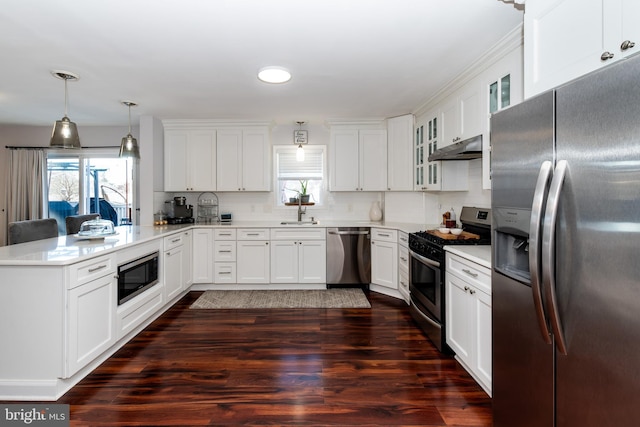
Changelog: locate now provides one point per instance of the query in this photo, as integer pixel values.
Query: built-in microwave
(136, 276)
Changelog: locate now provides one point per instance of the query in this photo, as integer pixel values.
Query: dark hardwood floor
(306, 367)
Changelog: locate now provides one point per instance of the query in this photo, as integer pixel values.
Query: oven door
(425, 283)
(427, 299)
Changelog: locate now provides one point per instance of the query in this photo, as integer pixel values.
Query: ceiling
(198, 59)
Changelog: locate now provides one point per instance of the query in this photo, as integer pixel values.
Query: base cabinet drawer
(137, 310)
(225, 272)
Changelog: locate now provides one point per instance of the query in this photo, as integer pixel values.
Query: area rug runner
(307, 298)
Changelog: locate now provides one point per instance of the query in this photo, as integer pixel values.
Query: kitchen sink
(299, 222)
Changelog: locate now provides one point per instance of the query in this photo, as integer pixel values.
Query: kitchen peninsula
(59, 298)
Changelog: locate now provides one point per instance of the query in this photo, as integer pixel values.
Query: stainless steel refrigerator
(566, 254)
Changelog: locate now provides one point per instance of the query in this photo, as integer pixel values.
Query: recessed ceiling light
(274, 75)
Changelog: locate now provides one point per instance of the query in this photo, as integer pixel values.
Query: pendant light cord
(65, 95)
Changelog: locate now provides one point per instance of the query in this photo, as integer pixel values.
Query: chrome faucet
(300, 210)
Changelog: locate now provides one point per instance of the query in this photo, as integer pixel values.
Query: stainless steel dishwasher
(348, 257)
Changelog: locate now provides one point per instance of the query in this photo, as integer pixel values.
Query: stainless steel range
(427, 270)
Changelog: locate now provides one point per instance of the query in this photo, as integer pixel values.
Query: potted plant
(304, 197)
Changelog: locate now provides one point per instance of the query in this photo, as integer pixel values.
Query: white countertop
(65, 250)
(480, 254)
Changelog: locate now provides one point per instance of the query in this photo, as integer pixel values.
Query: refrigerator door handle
(535, 229)
(548, 253)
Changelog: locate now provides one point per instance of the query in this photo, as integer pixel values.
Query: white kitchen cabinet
(400, 153)
(224, 255)
(503, 87)
(252, 256)
(564, 39)
(461, 115)
(384, 257)
(243, 160)
(403, 265)
(440, 175)
(298, 256)
(187, 259)
(174, 265)
(202, 255)
(468, 316)
(91, 324)
(358, 159)
(189, 160)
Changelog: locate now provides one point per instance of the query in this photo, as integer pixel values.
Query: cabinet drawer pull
(384, 235)
(627, 44)
(470, 273)
(606, 55)
(226, 251)
(100, 267)
(403, 259)
(175, 240)
(253, 234)
(224, 272)
(224, 234)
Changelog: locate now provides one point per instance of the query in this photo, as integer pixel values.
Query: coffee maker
(178, 212)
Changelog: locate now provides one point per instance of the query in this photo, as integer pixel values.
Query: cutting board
(465, 235)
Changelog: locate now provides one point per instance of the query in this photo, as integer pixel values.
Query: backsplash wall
(408, 207)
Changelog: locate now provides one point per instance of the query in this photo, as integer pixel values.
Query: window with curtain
(292, 175)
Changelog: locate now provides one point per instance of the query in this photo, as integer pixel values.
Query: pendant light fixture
(65, 132)
(129, 145)
(299, 138)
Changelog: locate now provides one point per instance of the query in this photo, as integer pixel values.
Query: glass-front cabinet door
(419, 159)
(434, 169)
(427, 174)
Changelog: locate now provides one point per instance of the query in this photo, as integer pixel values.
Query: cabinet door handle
(403, 259)
(627, 44)
(470, 273)
(606, 55)
(471, 291)
(466, 288)
(100, 267)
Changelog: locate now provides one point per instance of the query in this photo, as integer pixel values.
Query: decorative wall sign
(300, 137)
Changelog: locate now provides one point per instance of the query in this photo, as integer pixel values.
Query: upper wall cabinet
(243, 160)
(189, 160)
(565, 39)
(461, 115)
(502, 87)
(211, 155)
(358, 158)
(399, 153)
(438, 175)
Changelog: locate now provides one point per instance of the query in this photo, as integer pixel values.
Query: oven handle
(425, 317)
(424, 260)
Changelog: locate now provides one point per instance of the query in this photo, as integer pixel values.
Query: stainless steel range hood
(464, 150)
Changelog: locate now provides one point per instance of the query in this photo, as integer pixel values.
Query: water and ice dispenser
(511, 243)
